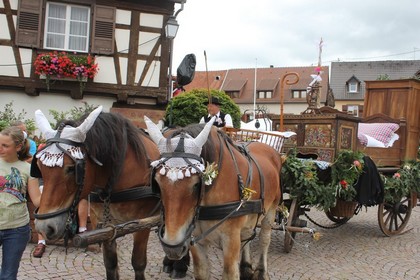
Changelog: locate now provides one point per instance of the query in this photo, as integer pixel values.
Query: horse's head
(178, 174)
(61, 163)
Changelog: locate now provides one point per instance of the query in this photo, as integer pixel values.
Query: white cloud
(241, 33)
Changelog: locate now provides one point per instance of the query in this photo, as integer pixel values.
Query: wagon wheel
(336, 219)
(293, 216)
(393, 217)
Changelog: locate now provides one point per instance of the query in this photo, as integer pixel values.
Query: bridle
(180, 153)
(71, 223)
(242, 207)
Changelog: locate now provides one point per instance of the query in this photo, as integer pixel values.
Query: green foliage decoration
(345, 171)
(189, 107)
(301, 180)
(402, 182)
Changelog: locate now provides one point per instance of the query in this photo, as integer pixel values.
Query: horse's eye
(70, 169)
(196, 188)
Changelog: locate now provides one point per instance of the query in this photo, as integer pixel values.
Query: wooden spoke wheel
(393, 218)
(336, 219)
(293, 217)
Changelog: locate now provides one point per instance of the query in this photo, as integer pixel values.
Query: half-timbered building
(127, 39)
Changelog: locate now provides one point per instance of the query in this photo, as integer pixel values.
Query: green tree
(189, 107)
(9, 115)
(73, 114)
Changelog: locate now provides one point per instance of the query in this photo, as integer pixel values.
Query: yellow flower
(247, 193)
(316, 235)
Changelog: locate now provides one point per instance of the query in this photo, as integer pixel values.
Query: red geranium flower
(343, 184)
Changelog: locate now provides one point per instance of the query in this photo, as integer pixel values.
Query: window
(353, 87)
(67, 27)
(353, 110)
(264, 94)
(298, 94)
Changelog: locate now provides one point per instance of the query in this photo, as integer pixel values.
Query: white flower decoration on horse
(210, 173)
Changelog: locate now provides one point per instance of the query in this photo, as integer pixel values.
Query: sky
(282, 33)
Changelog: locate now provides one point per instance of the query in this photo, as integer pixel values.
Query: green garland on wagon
(403, 182)
(301, 179)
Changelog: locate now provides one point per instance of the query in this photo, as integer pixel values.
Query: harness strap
(56, 139)
(238, 173)
(251, 158)
(125, 195)
(240, 208)
(243, 148)
(180, 155)
(217, 212)
(49, 215)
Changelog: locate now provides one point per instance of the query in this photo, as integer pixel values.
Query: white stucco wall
(48, 100)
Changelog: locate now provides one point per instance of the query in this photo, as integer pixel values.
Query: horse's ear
(44, 125)
(89, 121)
(204, 134)
(153, 130)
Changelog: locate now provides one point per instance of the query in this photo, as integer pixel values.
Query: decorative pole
(287, 82)
(208, 83)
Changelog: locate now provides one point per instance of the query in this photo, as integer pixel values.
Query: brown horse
(200, 209)
(105, 153)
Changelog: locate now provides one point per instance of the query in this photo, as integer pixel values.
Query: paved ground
(357, 250)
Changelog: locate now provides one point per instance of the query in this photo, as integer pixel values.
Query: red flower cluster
(61, 64)
(343, 184)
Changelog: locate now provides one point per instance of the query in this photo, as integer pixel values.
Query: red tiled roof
(233, 85)
(267, 79)
(268, 84)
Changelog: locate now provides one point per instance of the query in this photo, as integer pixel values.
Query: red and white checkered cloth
(382, 132)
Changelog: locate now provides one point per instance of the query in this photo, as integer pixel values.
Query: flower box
(68, 79)
(65, 67)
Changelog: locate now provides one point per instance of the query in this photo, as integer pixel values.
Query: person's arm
(33, 191)
(228, 121)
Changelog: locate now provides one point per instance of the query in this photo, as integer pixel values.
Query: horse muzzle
(53, 228)
(176, 251)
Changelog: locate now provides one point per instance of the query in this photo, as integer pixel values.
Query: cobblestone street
(356, 250)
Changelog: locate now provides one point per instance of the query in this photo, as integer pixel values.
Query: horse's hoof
(246, 271)
(168, 268)
(176, 274)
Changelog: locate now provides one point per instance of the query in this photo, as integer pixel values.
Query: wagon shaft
(82, 240)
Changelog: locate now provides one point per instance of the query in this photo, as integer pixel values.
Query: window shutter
(28, 29)
(103, 30)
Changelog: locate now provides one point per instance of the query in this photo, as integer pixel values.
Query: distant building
(239, 84)
(348, 79)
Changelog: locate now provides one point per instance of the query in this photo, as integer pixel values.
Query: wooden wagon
(386, 102)
(342, 134)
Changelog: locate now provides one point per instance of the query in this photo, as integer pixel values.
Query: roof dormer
(353, 85)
